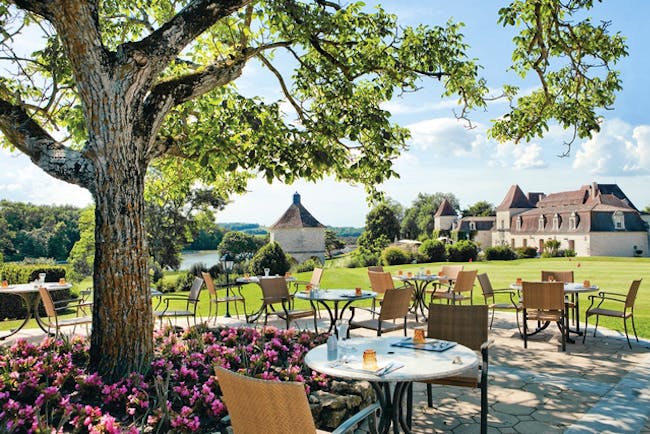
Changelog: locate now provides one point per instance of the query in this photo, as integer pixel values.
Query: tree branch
(55, 159)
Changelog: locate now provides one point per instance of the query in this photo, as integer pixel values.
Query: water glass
(41, 278)
(267, 271)
(342, 326)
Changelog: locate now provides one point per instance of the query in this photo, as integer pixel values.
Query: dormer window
(518, 223)
(540, 223)
(619, 220)
(573, 221)
(472, 226)
(556, 222)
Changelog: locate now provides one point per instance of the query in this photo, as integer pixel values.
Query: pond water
(191, 257)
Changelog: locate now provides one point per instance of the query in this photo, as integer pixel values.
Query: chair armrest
(356, 418)
(603, 298)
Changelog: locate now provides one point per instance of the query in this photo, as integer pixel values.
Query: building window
(573, 221)
(472, 226)
(518, 223)
(556, 222)
(619, 220)
(540, 223)
(524, 242)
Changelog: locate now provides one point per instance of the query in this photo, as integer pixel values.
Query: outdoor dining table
(30, 299)
(573, 289)
(408, 365)
(420, 281)
(334, 296)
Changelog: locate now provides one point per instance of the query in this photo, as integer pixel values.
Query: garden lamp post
(226, 265)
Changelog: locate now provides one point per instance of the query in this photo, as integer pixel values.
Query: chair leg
(596, 325)
(429, 395)
(584, 332)
(525, 330)
(492, 320)
(484, 407)
(626, 335)
(634, 328)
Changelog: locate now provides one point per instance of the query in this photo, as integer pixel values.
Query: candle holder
(418, 335)
(369, 360)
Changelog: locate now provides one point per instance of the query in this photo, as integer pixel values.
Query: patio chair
(376, 268)
(276, 407)
(489, 294)
(614, 298)
(462, 289)
(188, 304)
(275, 294)
(380, 282)
(52, 312)
(467, 325)
(226, 298)
(316, 276)
(449, 274)
(395, 306)
(558, 276)
(544, 302)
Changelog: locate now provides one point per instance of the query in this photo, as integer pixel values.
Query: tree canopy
(118, 88)
(419, 219)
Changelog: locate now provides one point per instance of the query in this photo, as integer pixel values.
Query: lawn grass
(609, 273)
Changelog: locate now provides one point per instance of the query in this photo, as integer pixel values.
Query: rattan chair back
(544, 296)
(396, 303)
(450, 272)
(274, 289)
(316, 276)
(465, 281)
(630, 298)
(209, 283)
(271, 407)
(380, 281)
(465, 324)
(46, 298)
(558, 276)
(486, 285)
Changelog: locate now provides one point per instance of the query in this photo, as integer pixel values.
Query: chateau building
(299, 233)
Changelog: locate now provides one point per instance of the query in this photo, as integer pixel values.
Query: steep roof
(445, 209)
(296, 216)
(515, 198)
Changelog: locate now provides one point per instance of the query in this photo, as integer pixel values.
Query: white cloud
(619, 149)
(444, 137)
(528, 156)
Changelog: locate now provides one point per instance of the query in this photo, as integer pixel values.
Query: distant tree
(419, 218)
(480, 209)
(381, 220)
(332, 242)
(647, 209)
(398, 208)
(82, 255)
(270, 256)
(239, 245)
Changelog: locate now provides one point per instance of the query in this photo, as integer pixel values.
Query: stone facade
(299, 233)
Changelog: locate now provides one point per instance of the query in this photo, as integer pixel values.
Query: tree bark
(122, 314)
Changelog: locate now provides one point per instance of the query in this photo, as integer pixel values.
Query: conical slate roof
(445, 208)
(515, 198)
(296, 216)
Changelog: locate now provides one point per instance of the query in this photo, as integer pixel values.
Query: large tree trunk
(122, 339)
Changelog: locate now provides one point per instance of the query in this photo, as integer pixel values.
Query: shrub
(197, 268)
(364, 258)
(309, 265)
(569, 253)
(270, 256)
(432, 251)
(500, 253)
(462, 251)
(526, 252)
(395, 256)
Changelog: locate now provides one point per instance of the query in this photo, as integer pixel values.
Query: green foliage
(15, 272)
(419, 220)
(480, 209)
(346, 232)
(573, 59)
(462, 251)
(269, 256)
(500, 253)
(239, 246)
(551, 249)
(82, 255)
(332, 242)
(309, 265)
(37, 231)
(395, 256)
(248, 228)
(432, 251)
(381, 221)
(526, 252)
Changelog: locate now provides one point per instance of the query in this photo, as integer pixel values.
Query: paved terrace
(599, 387)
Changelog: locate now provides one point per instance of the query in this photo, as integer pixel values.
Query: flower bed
(48, 388)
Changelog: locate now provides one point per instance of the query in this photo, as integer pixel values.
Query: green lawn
(612, 274)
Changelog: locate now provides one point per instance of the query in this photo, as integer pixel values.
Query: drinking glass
(342, 326)
(267, 271)
(41, 278)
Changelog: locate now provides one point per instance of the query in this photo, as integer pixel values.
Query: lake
(191, 257)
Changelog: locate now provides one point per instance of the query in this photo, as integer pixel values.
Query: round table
(417, 365)
(420, 283)
(335, 296)
(28, 293)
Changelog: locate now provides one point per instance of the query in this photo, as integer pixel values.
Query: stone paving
(599, 387)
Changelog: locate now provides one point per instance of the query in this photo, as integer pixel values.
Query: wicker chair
(275, 294)
(276, 407)
(489, 294)
(189, 304)
(467, 325)
(216, 300)
(545, 302)
(462, 289)
(557, 276)
(52, 312)
(314, 280)
(627, 300)
(449, 274)
(376, 268)
(380, 282)
(395, 306)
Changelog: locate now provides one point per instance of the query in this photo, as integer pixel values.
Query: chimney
(594, 189)
(296, 198)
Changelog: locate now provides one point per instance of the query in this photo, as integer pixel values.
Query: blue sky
(444, 156)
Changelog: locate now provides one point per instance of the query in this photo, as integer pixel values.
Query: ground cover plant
(48, 388)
